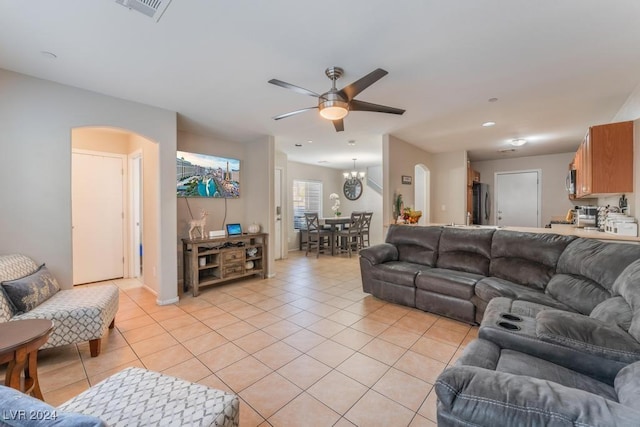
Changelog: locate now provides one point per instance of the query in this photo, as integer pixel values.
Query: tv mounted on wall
(203, 175)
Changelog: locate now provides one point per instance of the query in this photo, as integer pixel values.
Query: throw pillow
(30, 291)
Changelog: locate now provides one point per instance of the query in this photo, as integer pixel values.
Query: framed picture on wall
(406, 179)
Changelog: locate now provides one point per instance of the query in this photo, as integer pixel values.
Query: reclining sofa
(455, 272)
(559, 337)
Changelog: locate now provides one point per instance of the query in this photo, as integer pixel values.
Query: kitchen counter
(563, 229)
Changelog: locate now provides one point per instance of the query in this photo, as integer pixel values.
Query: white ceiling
(556, 67)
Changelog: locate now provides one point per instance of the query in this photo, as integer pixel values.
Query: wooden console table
(212, 261)
(19, 344)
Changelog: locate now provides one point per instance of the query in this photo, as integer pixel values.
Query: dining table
(336, 223)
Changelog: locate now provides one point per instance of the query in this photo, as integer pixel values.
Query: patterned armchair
(79, 314)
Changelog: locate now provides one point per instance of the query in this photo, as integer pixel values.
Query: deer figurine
(198, 224)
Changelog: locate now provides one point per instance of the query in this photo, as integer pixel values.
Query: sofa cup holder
(511, 317)
(509, 326)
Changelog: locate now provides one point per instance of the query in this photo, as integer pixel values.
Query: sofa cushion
(587, 335)
(493, 287)
(19, 409)
(528, 259)
(417, 245)
(458, 284)
(578, 292)
(30, 291)
(602, 262)
(627, 384)
(627, 285)
(80, 314)
(465, 250)
(614, 311)
(398, 272)
(518, 363)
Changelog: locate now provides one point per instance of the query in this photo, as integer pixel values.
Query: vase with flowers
(336, 204)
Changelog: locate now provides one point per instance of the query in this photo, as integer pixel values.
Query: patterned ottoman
(137, 397)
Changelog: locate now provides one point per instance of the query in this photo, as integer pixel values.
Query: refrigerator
(481, 204)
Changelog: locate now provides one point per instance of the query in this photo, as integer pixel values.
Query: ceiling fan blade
(339, 125)
(294, 88)
(293, 113)
(356, 105)
(350, 91)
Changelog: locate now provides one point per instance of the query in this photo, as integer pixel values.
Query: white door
(97, 211)
(518, 199)
(278, 203)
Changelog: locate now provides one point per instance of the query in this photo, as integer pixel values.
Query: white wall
(256, 189)
(630, 111)
(399, 158)
(36, 118)
(555, 200)
(449, 187)
(448, 179)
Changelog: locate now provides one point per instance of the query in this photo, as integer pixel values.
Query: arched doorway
(134, 157)
(422, 193)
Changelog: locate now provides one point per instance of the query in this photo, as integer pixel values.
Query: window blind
(307, 197)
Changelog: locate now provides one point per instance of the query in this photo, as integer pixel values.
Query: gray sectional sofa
(559, 340)
(455, 272)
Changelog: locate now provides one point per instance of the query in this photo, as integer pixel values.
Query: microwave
(570, 183)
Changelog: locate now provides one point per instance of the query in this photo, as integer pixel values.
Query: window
(307, 197)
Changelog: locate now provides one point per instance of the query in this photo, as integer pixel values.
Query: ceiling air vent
(152, 8)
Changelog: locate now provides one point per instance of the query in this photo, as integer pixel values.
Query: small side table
(19, 344)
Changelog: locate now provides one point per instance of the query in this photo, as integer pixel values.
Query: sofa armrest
(483, 397)
(587, 335)
(379, 254)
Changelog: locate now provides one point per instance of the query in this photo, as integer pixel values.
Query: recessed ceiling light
(518, 142)
(298, 145)
(352, 142)
(488, 124)
(493, 99)
(49, 55)
(309, 141)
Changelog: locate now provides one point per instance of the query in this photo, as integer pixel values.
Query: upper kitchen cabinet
(604, 161)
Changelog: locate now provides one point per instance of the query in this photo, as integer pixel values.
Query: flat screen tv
(203, 175)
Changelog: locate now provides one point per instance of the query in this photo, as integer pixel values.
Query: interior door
(98, 217)
(518, 199)
(278, 205)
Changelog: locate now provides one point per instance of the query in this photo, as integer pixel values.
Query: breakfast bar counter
(563, 229)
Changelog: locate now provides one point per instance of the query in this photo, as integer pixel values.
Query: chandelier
(354, 174)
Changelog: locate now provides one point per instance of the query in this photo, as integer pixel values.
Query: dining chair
(316, 235)
(364, 232)
(350, 237)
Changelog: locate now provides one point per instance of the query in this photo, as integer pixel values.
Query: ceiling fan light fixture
(334, 109)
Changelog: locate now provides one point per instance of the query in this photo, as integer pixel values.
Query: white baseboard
(167, 301)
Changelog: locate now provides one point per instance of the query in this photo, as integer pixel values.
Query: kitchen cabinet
(604, 161)
(212, 261)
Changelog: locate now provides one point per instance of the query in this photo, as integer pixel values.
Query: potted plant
(336, 204)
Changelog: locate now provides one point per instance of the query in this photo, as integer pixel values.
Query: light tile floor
(307, 347)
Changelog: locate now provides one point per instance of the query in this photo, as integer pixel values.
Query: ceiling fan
(335, 104)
